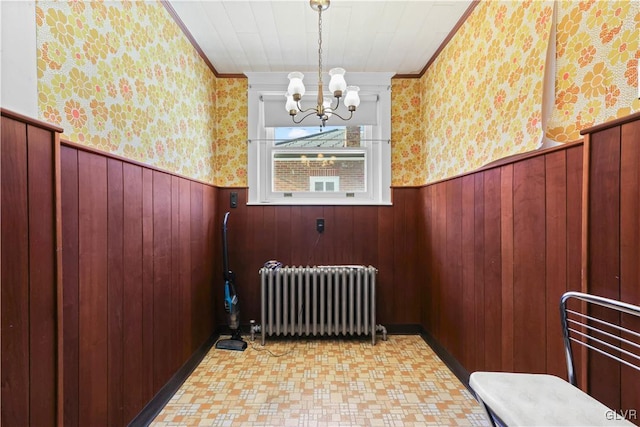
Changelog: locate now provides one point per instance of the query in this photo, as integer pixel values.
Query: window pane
(329, 137)
(333, 171)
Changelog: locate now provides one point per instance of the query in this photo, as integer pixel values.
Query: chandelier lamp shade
(324, 108)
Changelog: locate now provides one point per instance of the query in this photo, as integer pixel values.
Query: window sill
(303, 202)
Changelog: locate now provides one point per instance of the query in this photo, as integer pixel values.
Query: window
(324, 183)
(309, 160)
(342, 163)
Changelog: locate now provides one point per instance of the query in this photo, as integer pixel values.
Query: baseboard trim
(409, 329)
(155, 405)
(452, 363)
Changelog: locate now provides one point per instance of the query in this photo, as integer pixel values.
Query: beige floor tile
(323, 383)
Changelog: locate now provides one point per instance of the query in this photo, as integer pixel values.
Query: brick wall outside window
(291, 176)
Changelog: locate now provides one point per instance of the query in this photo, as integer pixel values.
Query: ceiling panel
(399, 36)
(240, 15)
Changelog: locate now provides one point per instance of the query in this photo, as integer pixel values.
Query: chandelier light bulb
(352, 99)
(337, 85)
(296, 87)
(291, 105)
(327, 108)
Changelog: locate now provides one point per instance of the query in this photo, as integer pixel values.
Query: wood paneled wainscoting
(112, 272)
(500, 246)
(139, 247)
(107, 279)
(30, 272)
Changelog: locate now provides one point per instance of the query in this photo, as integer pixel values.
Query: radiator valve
(253, 328)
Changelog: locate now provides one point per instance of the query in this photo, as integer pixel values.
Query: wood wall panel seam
(506, 239)
(57, 165)
(584, 271)
(585, 212)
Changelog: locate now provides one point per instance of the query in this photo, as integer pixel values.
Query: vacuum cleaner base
(231, 344)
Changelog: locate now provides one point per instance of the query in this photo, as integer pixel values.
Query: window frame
(377, 141)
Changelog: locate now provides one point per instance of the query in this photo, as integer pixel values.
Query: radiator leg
(372, 308)
(322, 302)
(343, 301)
(382, 329)
(351, 301)
(270, 309)
(263, 316)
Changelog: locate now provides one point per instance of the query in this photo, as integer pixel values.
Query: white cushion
(540, 400)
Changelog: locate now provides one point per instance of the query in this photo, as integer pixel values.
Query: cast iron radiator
(317, 301)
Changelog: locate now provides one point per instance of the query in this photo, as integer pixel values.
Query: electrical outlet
(320, 225)
(234, 199)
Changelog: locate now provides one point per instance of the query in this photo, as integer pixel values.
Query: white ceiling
(240, 36)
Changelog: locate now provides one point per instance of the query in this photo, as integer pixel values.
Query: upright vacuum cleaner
(230, 299)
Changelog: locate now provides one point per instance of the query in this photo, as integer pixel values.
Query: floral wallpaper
(483, 93)
(230, 163)
(134, 87)
(121, 77)
(408, 155)
(597, 56)
(482, 96)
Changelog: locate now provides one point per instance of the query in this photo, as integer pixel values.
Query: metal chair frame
(592, 331)
(595, 336)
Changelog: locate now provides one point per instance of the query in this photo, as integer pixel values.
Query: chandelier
(324, 108)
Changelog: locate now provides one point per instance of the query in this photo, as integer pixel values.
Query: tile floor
(341, 382)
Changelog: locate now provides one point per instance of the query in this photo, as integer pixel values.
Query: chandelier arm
(342, 118)
(300, 121)
(337, 104)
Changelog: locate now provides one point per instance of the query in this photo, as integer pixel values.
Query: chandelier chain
(337, 85)
(319, 43)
